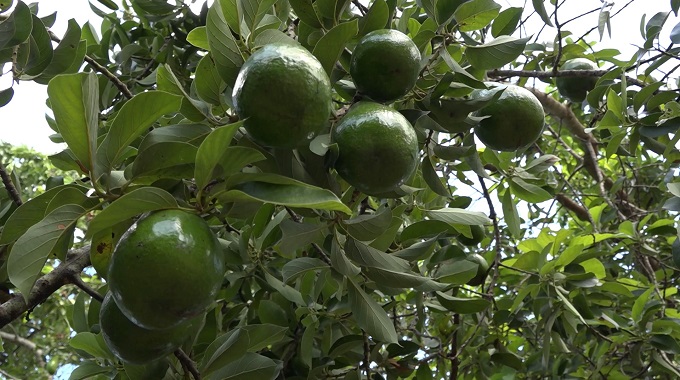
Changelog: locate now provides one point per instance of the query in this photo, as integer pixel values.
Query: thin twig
(14, 338)
(553, 74)
(187, 363)
(9, 186)
(496, 234)
(101, 69)
(77, 281)
(367, 355)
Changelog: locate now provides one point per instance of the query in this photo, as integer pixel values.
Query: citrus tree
(342, 189)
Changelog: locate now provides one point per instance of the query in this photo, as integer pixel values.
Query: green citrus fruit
(477, 236)
(515, 120)
(135, 344)
(385, 65)
(166, 269)
(284, 95)
(576, 88)
(377, 148)
(482, 269)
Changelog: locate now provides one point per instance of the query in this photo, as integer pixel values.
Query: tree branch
(561, 73)
(101, 69)
(21, 341)
(9, 186)
(568, 203)
(45, 286)
(77, 281)
(187, 363)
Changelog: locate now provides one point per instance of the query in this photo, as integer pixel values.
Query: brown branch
(77, 260)
(77, 281)
(21, 341)
(571, 205)
(9, 186)
(101, 69)
(561, 73)
(496, 235)
(187, 363)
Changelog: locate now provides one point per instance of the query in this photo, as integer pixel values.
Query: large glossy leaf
(296, 236)
(226, 53)
(32, 212)
(369, 315)
(247, 367)
(75, 103)
(376, 18)
(171, 159)
(276, 189)
(454, 216)
(132, 204)
(528, 192)
(476, 14)
(215, 158)
(263, 335)
(64, 54)
(42, 49)
(369, 227)
(224, 350)
(497, 53)
(31, 250)
(209, 84)
(135, 117)
(507, 21)
(332, 44)
(305, 11)
(301, 265)
(17, 27)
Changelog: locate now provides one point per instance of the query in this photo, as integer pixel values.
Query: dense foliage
(322, 281)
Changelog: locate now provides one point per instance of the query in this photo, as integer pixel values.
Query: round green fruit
(515, 120)
(134, 344)
(283, 95)
(478, 235)
(385, 65)
(378, 148)
(482, 269)
(166, 269)
(576, 88)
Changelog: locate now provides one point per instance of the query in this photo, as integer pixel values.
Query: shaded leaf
(132, 204)
(331, 45)
(497, 53)
(369, 315)
(476, 14)
(300, 266)
(247, 367)
(227, 55)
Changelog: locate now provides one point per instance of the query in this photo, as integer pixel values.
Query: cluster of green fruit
(178, 262)
(284, 97)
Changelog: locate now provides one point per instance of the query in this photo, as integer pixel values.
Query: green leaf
(476, 14)
(134, 203)
(297, 267)
(171, 159)
(507, 21)
(376, 18)
(263, 335)
(270, 36)
(92, 344)
(227, 55)
(30, 213)
(528, 192)
(17, 27)
(209, 84)
(87, 370)
(341, 263)
(305, 11)
(133, 119)
(539, 7)
(247, 367)
(332, 44)
(432, 179)
(639, 305)
(215, 158)
(64, 54)
(418, 251)
(78, 314)
(510, 215)
(43, 49)
(298, 235)
(288, 292)
(6, 96)
(199, 38)
(29, 253)
(462, 305)
(192, 134)
(497, 53)
(224, 350)
(280, 190)
(426, 228)
(455, 216)
(369, 315)
(75, 103)
(109, 4)
(457, 272)
(369, 227)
